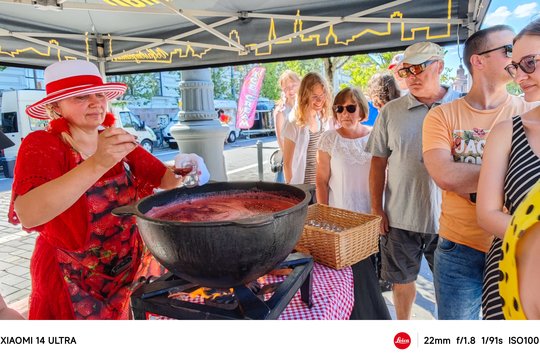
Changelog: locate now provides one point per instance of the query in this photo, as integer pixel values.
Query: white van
(13, 119)
(16, 124)
(132, 124)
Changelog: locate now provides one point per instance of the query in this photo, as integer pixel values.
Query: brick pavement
(16, 246)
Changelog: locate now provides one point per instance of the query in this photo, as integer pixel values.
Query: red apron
(99, 276)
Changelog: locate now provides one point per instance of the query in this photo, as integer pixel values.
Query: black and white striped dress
(523, 172)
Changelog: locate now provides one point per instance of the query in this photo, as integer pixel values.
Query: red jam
(223, 207)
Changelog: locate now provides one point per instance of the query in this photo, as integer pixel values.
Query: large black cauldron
(221, 254)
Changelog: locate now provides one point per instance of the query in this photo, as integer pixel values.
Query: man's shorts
(401, 254)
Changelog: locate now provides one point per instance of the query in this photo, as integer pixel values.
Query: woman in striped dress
(307, 121)
(511, 163)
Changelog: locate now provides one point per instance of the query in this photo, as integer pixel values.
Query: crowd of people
(423, 163)
(447, 173)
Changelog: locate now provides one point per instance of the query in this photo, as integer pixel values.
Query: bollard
(260, 159)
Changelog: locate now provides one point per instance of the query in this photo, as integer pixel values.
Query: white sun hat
(70, 78)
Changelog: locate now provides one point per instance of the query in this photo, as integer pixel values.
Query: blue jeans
(458, 277)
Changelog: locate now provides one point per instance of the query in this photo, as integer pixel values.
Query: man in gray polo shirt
(411, 204)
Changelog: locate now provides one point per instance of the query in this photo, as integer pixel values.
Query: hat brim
(111, 91)
(419, 59)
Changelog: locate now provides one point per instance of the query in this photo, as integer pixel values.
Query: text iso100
(523, 340)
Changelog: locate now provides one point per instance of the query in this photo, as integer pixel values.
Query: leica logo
(402, 340)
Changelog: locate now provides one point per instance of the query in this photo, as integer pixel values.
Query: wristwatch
(472, 197)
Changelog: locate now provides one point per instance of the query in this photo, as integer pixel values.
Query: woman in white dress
(342, 163)
(342, 182)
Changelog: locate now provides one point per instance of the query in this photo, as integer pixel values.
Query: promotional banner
(249, 94)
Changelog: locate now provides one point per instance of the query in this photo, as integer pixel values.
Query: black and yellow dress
(525, 216)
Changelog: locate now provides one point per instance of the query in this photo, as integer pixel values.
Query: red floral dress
(85, 261)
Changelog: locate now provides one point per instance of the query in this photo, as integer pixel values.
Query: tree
(331, 66)
(222, 83)
(361, 68)
(141, 87)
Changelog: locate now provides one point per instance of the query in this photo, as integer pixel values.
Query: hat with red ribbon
(70, 78)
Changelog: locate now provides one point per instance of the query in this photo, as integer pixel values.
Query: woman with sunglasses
(307, 121)
(342, 163)
(343, 182)
(511, 162)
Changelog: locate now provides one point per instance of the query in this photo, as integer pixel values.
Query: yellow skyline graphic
(159, 55)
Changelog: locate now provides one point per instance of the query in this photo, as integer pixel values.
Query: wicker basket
(358, 240)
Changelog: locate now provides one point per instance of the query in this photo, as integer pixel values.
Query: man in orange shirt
(454, 135)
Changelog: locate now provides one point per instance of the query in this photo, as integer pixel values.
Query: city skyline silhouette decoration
(224, 39)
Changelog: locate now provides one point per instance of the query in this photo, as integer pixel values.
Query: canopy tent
(125, 36)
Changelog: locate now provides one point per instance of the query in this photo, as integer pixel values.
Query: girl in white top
(307, 121)
(289, 82)
(342, 163)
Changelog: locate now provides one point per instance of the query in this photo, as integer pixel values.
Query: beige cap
(395, 60)
(422, 52)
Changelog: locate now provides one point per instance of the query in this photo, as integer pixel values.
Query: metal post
(260, 159)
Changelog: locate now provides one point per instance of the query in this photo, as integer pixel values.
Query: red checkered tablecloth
(333, 296)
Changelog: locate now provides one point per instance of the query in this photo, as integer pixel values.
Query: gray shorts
(401, 254)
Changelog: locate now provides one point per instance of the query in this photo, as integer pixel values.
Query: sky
(516, 13)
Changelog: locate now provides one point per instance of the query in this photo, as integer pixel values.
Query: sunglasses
(414, 69)
(351, 109)
(527, 64)
(507, 50)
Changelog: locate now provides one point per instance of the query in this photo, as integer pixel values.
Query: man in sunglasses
(411, 204)
(453, 140)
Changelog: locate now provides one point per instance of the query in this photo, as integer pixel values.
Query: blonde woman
(307, 121)
(289, 82)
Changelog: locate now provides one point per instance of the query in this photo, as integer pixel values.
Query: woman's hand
(113, 145)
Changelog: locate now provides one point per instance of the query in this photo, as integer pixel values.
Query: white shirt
(349, 171)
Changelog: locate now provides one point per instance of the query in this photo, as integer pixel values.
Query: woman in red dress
(67, 180)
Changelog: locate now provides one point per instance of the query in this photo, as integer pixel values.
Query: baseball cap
(395, 61)
(421, 52)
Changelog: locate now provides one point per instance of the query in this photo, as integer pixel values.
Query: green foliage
(141, 87)
(361, 68)
(222, 83)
